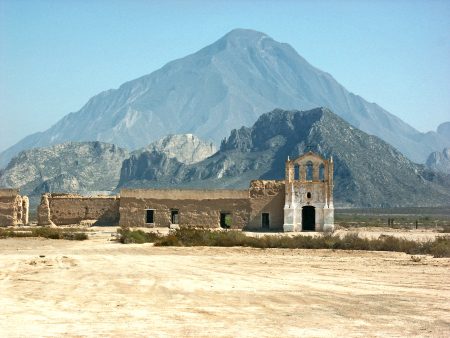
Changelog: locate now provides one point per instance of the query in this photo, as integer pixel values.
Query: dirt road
(102, 288)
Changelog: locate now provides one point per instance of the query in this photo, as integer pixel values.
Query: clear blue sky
(55, 55)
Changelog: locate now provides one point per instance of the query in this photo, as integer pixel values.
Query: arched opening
(296, 172)
(309, 171)
(308, 218)
(322, 172)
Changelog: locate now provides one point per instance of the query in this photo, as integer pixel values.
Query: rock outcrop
(439, 161)
(69, 167)
(185, 148)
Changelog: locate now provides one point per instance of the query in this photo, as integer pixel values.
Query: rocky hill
(223, 86)
(68, 167)
(186, 148)
(439, 161)
(368, 171)
(86, 167)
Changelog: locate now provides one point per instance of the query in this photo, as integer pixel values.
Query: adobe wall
(65, 209)
(13, 208)
(196, 208)
(266, 196)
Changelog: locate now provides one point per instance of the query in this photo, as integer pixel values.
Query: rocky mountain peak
(186, 148)
(439, 161)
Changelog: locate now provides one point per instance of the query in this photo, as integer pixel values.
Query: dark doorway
(265, 221)
(308, 218)
(174, 216)
(149, 215)
(226, 220)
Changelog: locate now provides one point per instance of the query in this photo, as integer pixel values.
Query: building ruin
(13, 208)
(303, 201)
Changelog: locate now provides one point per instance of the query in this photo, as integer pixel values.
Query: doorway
(174, 216)
(226, 221)
(265, 221)
(308, 218)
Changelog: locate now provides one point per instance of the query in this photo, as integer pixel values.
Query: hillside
(368, 171)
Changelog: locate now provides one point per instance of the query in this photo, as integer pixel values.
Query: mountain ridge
(223, 86)
(368, 171)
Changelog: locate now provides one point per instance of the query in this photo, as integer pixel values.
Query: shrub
(440, 247)
(127, 236)
(446, 229)
(71, 234)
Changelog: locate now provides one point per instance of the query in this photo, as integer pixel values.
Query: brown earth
(101, 288)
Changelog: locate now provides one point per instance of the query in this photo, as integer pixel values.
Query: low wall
(267, 196)
(65, 209)
(13, 208)
(196, 208)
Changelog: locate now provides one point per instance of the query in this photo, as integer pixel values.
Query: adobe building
(303, 201)
(13, 208)
(58, 209)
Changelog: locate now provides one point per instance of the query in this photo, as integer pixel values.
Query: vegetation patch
(440, 247)
(71, 234)
(128, 236)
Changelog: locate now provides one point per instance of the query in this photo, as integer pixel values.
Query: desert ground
(99, 287)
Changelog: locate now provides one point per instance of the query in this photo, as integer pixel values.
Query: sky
(55, 55)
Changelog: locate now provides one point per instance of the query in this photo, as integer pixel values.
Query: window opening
(174, 216)
(322, 172)
(149, 216)
(296, 172)
(309, 171)
(226, 221)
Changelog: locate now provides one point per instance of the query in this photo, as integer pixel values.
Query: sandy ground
(102, 288)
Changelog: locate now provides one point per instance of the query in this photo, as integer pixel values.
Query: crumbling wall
(196, 208)
(266, 196)
(65, 209)
(13, 208)
(44, 212)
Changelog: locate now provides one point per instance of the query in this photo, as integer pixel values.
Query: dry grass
(72, 234)
(440, 247)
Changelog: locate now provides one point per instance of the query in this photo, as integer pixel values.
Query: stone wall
(266, 197)
(13, 208)
(65, 209)
(196, 208)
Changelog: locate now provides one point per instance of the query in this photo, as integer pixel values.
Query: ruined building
(303, 201)
(309, 194)
(13, 208)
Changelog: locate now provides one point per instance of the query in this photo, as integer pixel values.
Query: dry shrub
(440, 247)
(71, 234)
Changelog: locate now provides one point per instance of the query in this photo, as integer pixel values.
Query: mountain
(223, 86)
(86, 167)
(444, 130)
(439, 161)
(186, 148)
(68, 167)
(368, 171)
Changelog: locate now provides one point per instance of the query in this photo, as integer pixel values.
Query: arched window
(296, 172)
(309, 171)
(308, 195)
(322, 172)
